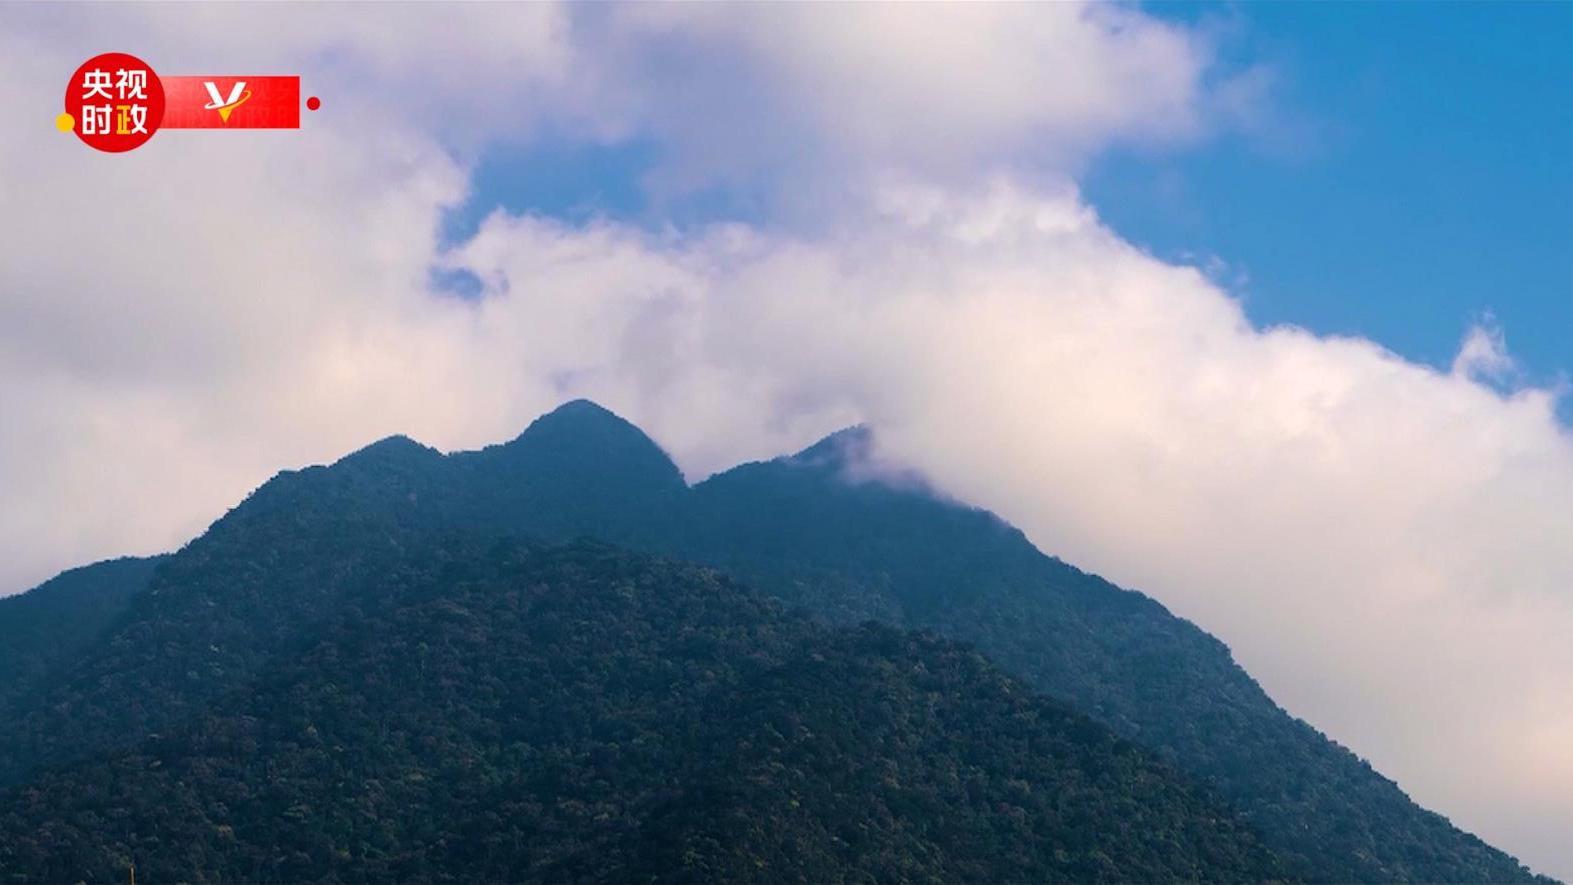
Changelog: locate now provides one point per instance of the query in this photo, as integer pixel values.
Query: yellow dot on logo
(65, 122)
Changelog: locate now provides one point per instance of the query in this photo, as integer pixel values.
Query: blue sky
(1409, 181)
(1422, 178)
(910, 259)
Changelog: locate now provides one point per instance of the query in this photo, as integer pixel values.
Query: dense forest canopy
(234, 616)
(509, 714)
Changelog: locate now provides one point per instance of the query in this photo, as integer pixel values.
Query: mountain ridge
(795, 528)
(55, 620)
(510, 712)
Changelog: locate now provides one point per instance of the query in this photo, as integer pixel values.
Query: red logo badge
(115, 102)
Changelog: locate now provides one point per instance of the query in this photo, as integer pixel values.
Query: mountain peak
(584, 409)
(396, 453)
(390, 446)
(582, 438)
(846, 447)
(581, 417)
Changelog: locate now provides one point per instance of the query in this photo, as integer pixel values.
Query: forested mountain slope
(494, 712)
(54, 623)
(310, 546)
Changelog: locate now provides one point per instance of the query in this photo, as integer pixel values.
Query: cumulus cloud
(1484, 354)
(876, 87)
(1385, 545)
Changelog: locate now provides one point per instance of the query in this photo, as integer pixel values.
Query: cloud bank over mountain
(1387, 546)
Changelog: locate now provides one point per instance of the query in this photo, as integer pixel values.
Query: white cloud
(1484, 354)
(939, 88)
(1386, 546)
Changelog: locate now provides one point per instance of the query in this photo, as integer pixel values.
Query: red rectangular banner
(231, 102)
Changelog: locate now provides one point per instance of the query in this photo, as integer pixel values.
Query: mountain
(799, 528)
(500, 712)
(50, 625)
(818, 530)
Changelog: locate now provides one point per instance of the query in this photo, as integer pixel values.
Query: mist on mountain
(825, 532)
